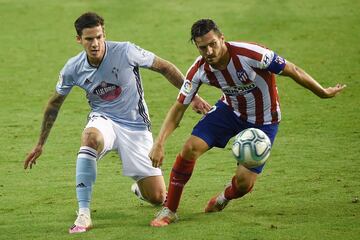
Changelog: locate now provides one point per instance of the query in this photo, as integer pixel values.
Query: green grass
(308, 186)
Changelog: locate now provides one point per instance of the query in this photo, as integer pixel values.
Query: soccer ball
(251, 147)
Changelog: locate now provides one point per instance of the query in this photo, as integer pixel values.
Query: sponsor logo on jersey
(107, 91)
(239, 89)
(242, 76)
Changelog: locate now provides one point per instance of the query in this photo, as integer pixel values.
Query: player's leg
(240, 185)
(244, 178)
(134, 147)
(92, 143)
(151, 189)
(183, 168)
(214, 129)
(208, 132)
(179, 176)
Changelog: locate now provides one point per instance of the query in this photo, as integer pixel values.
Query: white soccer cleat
(164, 218)
(81, 224)
(136, 190)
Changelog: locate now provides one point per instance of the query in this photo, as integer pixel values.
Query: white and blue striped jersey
(114, 88)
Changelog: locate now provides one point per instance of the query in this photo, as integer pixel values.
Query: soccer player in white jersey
(245, 73)
(119, 118)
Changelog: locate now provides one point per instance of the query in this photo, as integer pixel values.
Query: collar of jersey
(92, 66)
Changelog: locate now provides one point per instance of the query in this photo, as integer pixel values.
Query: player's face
(211, 47)
(93, 41)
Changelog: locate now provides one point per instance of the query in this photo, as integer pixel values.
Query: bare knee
(193, 148)
(157, 198)
(153, 189)
(93, 138)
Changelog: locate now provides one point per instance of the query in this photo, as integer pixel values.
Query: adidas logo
(81, 185)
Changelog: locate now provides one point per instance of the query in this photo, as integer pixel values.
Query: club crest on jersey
(239, 89)
(115, 71)
(107, 91)
(242, 76)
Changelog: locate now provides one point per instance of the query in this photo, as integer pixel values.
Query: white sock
(222, 198)
(85, 175)
(85, 211)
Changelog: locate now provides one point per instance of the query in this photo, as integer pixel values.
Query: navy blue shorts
(220, 124)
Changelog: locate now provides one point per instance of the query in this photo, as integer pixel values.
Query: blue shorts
(220, 124)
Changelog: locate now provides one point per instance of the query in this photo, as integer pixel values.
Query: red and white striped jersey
(248, 82)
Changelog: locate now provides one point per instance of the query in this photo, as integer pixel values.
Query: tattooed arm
(49, 118)
(169, 71)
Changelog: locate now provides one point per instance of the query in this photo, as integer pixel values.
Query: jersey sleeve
(273, 62)
(65, 82)
(262, 58)
(139, 57)
(190, 86)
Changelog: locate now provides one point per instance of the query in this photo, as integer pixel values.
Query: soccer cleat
(216, 203)
(81, 224)
(136, 190)
(164, 218)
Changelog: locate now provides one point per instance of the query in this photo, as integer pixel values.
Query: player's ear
(196, 44)
(222, 38)
(78, 39)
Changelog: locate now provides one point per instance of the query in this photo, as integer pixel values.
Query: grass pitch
(310, 186)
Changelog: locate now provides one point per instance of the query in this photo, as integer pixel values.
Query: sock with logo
(85, 175)
(180, 174)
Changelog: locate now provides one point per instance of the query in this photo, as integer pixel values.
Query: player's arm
(169, 71)
(305, 80)
(176, 78)
(50, 114)
(170, 123)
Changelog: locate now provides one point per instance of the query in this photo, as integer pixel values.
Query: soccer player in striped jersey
(119, 120)
(245, 73)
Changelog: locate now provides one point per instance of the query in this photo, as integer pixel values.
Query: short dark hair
(202, 27)
(88, 20)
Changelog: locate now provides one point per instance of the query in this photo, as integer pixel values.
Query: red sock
(233, 191)
(180, 174)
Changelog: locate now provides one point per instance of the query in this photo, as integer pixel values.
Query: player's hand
(32, 156)
(333, 91)
(199, 105)
(157, 155)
